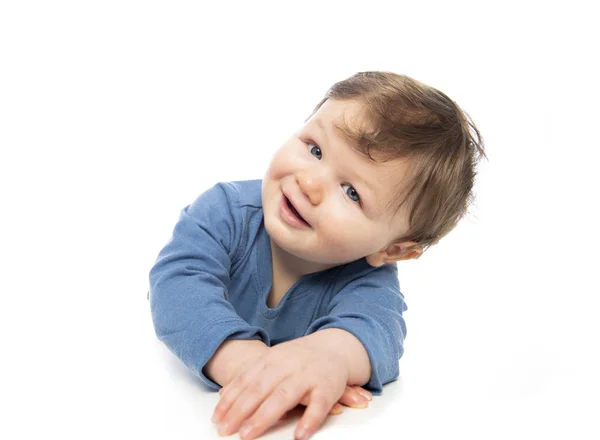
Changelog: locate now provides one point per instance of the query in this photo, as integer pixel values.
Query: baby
(285, 291)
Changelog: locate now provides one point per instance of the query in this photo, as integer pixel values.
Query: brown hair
(411, 120)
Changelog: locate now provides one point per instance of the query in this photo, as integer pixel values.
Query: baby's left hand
(298, 371)
(354, 396)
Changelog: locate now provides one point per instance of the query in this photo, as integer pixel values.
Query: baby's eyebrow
(371, 204)
(368, 185)
(322, 128)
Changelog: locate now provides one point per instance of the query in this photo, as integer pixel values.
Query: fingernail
(222, 429)
(360, 399)
(365, 395)
(245, 431)
(215, 418)
(301, 434)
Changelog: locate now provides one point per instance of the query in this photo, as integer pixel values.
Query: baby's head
(383, 168)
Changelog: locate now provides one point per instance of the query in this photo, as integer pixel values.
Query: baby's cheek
(283, 164)
(343, 243)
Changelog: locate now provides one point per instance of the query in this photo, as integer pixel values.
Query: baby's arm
(370, 309)
(189, 284)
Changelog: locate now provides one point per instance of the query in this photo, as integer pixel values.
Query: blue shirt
(211, 281)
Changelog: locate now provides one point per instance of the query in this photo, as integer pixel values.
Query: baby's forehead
(347, 118)
(388, 180)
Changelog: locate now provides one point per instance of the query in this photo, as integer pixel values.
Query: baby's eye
(315, 151)
(351, 192)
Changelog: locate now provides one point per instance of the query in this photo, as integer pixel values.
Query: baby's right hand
(354, 397)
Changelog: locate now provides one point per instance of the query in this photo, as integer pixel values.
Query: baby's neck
(289, 266)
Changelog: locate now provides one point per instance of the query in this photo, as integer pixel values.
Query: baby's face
(338, 195)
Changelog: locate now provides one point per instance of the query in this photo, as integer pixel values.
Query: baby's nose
(311, 184)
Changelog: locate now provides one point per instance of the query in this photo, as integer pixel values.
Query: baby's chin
(315, 259)
(305, 246)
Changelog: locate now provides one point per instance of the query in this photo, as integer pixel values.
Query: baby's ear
(413, 250)
(395, 252)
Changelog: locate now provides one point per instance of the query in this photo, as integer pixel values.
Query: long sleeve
(370, 307)
(189, 282)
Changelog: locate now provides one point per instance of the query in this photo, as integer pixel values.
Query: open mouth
(293, 210)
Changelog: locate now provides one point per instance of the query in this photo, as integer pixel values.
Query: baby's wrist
(230, 357)
(246, 353)
(350, 350)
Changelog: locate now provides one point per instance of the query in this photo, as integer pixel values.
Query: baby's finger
(363, 392)
(230, 394)
(251, 390)
(353, 399)
(316, 412)
(283, 399)
(336, 410)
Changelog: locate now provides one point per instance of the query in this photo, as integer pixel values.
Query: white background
(114, 115)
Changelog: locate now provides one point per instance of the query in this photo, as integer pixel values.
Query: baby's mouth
(296, 213)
